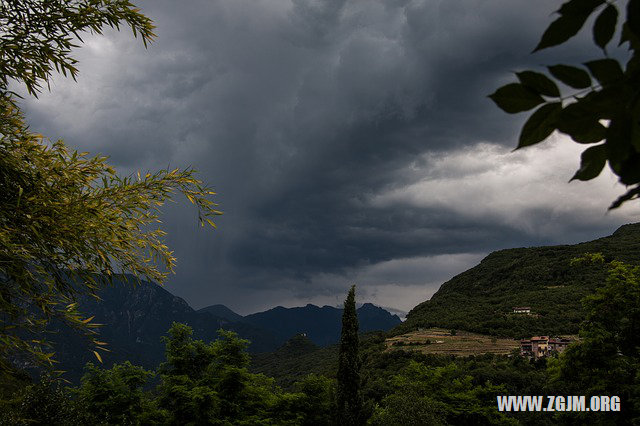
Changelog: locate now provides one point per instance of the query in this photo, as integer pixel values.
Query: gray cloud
(342, 136)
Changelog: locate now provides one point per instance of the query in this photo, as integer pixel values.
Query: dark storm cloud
(334, 131)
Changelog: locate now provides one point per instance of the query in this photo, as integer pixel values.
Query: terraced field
(441, 341)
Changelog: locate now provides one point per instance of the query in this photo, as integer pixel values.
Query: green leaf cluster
(117, 395)
(43, 402)
(38, 36)
(209, 383)
(439, 395)
(68, 222)
(603, 108)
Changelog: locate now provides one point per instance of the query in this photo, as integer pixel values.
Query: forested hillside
(542, 278)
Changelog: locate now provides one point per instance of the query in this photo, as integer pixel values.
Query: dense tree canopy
(606, 361)
(201, 383)
(602, 109)
(209, 383)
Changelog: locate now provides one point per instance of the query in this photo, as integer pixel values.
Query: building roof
(540, 338)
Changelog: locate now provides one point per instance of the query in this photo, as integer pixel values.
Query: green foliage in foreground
(68, 222)
(603, 106)
(607, 359)
(116, 396)
(199, 384)
(45, 402)
(440, 395)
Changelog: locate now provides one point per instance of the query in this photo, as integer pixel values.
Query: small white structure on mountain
(524, 310)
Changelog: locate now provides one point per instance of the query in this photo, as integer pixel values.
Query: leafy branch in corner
(604, 112)
(68, 222)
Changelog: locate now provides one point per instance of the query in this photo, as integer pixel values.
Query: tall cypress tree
(348, 395)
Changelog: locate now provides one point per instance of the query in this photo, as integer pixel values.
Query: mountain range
(136, 317)
(321, 325)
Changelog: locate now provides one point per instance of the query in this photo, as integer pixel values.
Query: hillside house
(523, 310)
(558, 345)
(542, 346)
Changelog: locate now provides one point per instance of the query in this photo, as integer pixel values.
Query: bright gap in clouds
(487, 181)
(527, 190)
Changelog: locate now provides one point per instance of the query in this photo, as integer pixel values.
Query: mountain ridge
(136, 317)
(321, 324)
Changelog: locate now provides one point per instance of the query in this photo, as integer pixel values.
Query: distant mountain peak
(221, 311)
(369, 305)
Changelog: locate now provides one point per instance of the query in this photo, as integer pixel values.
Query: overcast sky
(349, 142)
